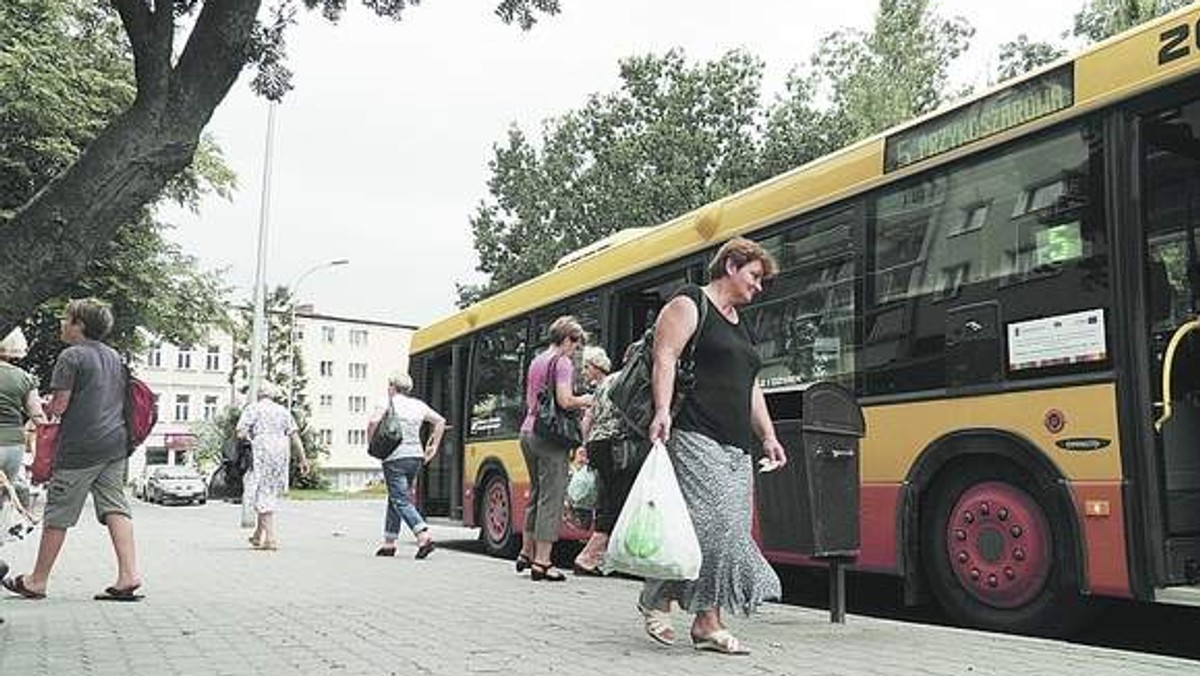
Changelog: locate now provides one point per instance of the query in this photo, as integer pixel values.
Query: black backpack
(630, 392)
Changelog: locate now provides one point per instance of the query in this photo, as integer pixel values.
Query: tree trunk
(52, 239)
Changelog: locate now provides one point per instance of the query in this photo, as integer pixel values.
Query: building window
(326, 401)
(358, 404)
(326, 436)
(327, 334)
(154, 356)
(184, 359)
(356, 437)
(182, 402)
(358, 337)
(212, 360)
(210, 407)
(326, 369)
(358, 371)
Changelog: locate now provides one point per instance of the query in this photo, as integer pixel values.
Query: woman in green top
(19, 401)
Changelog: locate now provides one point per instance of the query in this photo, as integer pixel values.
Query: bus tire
(496, 517)
(996, 554)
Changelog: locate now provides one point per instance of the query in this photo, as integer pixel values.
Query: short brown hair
(566, 327)
(93, 313)
(741, 251)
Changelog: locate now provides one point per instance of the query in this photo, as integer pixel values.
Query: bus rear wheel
(496, 527)
(994, 552)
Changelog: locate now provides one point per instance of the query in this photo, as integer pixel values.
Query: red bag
(141, 413)
(43, 453)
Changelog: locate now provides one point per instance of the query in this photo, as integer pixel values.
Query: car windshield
(176, 473)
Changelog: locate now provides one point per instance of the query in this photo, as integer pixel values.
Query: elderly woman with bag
(272, 432)
(401, 465)
(552, 375)
(709, 442)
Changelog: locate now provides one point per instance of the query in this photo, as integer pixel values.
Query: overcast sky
(381, 151)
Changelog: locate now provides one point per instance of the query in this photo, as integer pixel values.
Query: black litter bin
(811, 505)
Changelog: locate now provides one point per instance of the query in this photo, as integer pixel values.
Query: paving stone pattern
(323, 604)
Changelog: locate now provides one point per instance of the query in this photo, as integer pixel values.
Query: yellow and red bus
(1008, 288)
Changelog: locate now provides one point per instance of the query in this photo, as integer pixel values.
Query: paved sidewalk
(322, 604)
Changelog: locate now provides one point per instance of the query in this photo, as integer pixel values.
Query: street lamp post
(295, 290)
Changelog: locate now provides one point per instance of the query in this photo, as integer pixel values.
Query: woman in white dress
(272, 432)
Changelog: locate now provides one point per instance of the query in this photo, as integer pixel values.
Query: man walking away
(88, 387)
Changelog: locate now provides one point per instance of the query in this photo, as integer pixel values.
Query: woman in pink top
(545, 459)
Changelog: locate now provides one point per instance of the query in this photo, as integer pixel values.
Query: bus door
(1170, 184)
(637, 307)
(441, 485)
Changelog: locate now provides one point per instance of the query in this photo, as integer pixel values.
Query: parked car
(176, 484)
(138, 482)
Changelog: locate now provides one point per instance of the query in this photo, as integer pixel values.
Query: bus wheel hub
(998, 542)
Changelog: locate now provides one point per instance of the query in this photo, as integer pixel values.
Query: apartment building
(347, 363)
(192, 384)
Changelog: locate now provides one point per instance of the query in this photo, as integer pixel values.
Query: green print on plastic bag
(644, 537)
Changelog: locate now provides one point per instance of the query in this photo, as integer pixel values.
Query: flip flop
(386, 551)
(115, 594)
(720, 641)
(426, 549)
(17, 586)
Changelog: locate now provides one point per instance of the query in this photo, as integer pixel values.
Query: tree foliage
(671, 138)
(1022, 55)
(675, 136)
(64, 72)
(898, 70)
(1101, 19)
(184, 56)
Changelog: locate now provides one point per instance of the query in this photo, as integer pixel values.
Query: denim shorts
(69, 488)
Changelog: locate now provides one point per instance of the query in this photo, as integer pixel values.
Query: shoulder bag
(630, 393)
(389, 434)
(552, 422)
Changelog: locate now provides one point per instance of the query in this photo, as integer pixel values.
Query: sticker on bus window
(1059, 243)
(1054, 341)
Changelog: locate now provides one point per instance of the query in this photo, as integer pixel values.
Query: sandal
(523, 562)
(386, 550)
(539, 572)
(17, 586)
(720, 641)
(658, 625)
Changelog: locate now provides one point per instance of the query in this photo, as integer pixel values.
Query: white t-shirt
(412, 413)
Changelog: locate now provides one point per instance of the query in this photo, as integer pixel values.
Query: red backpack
(141, 412)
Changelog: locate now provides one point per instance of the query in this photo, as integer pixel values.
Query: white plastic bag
(654, 536)
(581, 489)
(249, 518)
(15, 521)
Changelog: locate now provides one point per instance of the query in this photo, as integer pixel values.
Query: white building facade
(347, 364)
(192, 384)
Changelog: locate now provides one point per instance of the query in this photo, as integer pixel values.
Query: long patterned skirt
(716, 481)
(268, 478)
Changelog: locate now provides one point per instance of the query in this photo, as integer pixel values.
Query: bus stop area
(323, 604)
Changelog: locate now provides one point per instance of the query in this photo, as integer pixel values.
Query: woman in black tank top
(709, 441)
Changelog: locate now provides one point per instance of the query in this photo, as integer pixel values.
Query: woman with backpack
(709, 442)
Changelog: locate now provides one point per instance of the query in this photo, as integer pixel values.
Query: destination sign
(1005, 109)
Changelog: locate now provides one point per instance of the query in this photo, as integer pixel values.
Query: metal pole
(837, 590)
(259, 337)
(295, 294)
